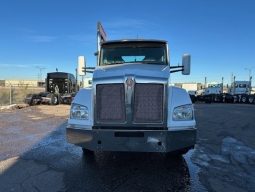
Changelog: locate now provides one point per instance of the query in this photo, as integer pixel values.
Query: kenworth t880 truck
(130, 106)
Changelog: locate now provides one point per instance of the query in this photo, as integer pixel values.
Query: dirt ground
(34, 155)
(22, 128)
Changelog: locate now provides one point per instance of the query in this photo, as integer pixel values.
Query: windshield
(242, 85)
(59, 85)
(214, 85)
(148, 53)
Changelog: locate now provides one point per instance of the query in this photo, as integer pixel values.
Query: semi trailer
(131, 105)
(60, 88)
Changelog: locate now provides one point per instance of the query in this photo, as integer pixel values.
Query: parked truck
(60, 88)
(131, 106)
(238, 92)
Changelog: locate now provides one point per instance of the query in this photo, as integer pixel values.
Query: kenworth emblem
(130, 82)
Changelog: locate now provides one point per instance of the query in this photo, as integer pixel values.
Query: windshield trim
(137, 44)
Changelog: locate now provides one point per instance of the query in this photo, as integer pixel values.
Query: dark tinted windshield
(214, 85)
(59, 85)
(241, 85)
(149, 53)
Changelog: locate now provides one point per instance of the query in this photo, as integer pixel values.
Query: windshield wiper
(153, 62)
(113, 63)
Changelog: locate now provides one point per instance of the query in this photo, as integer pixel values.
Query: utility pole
(40, 72)
(10, 94)
(234, 85)
(222, 84)
(249, 70)
(76, 77)
(250, 74)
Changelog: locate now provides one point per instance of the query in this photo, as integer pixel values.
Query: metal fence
(16, 94)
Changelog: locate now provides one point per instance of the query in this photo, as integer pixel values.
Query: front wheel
(244, 99)
(179, 153)
(54, 99)
(87, 152)
(251, 99)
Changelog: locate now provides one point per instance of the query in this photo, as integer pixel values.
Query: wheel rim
(55, 100)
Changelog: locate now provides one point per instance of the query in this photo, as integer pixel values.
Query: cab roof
(133, 41)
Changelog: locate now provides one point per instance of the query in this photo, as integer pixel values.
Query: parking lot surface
(34, 155)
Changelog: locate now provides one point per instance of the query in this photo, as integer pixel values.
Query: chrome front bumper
(132, 140)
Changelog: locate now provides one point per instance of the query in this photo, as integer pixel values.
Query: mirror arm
(174, 67)
(177, 70)
(89, 71)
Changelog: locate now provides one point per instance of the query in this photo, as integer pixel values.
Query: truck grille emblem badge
(130, 82)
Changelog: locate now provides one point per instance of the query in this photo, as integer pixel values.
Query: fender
(84, 97)
(178, 97)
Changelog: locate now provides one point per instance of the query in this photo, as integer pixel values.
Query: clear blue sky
(220, 35)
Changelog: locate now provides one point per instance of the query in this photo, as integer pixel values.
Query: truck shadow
(130, 171)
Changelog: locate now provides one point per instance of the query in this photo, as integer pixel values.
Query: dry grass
(17, 94)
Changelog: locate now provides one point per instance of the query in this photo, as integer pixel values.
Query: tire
(31, 102)
(193, 98)
(54, 99)
(229, 99)
(208, 99)
(251, 99)
(215, 98)
(244, 99)
(87, 152)
(235, 99)
(178, 153)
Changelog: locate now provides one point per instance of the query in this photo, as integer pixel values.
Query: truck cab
(240, 87)
(60, 88)
(130, 105)
(214, 88)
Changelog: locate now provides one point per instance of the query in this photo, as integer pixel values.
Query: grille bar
(110, 103)
(148, 103)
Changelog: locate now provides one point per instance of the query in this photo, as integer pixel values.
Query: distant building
(21, 83)
(189, 86)
(87, 82)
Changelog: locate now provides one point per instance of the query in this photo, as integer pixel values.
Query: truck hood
(137, 69)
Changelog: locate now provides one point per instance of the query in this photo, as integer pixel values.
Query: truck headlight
(183, 113)
(79, 112)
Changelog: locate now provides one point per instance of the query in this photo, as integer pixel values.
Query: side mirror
(186, 64)
(81, 66)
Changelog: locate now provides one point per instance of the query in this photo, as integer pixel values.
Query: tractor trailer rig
(238, 92)
(60, 88)
(130, 105)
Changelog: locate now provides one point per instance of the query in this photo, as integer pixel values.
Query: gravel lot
(21, 129)
(34, 155)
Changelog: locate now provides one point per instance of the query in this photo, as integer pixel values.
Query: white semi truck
(131, 105)
(241, 92)
(238, 92)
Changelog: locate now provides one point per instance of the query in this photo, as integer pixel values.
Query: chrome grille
(148, 103)
(110, 103)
